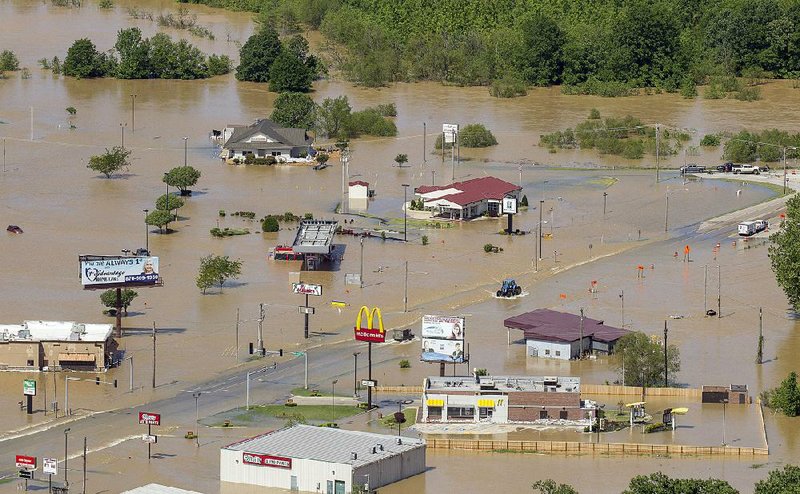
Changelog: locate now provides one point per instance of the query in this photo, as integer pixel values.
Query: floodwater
(65, 210)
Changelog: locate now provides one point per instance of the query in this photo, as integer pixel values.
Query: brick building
(502, 399)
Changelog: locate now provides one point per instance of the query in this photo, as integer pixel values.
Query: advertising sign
(50, 466)
(29, 387)
(266, 460)
(450, 132)
(445, 327)
(148, 418)
(369, 333)
(148, 438)
(369, 383)
(509, 205)
(119, 271)
(434, 350)
(26, 462)
(307, 289)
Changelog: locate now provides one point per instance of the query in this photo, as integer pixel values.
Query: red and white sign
(266, 460)
(371, 335)
(26, 462)
(307, 289)
(148, 418)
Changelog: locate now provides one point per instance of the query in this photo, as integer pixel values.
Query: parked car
(761, 225)
(736, 168)
(748, 169)
(693, 169)
(747, 228)
(725, 167)
(321, 166)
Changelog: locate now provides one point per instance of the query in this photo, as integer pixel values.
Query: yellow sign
(370, 333)
(337, 304)
(486, 403)
(435, 403)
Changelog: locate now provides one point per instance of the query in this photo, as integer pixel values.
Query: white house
(468, 199)
(358, 189)
(265, 138)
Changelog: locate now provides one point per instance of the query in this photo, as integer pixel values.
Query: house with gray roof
(266, 138)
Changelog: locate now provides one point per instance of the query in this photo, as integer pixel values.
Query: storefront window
(460, 413)
(435, 412)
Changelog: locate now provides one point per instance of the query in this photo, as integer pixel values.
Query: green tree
(219, 64)
(294, 110)
(332, 116)
(476, 136)
(540, 61)
(134, 55)
(216, 270)
(644, 360)
(786, 397)
(168, 202)
(658, 483)
(289, 73)
(182, 177)
(8, 61)
(298, 45)
(784, 253)
(780, 481)
(159, 218)
(549, 486)
(401, 159)
(110, 162)
(257, 55)
(109, 298)
(322, 158)
(270, 224)
(84, 61)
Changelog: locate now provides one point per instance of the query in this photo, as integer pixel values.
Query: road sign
(450, 132)
(26, 474)
(149, 418)
(369, 383)
(50, 466)
(298, 354)
(149, 438)
(509, 205)
(26, 462)
(307, 289)
(306, 310)
(29, 387)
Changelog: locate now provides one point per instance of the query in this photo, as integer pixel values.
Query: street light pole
(622, 300)
(605, 195)
(355, 374)
(196, 397)
(333, 400)
(130, 379)
(146, 232)
(361, 275)
(133, 113)
(405, 213)
(122, 129)
(66, 457)
(185, 150)
(666, 381)
(724, 403)
(541, 205)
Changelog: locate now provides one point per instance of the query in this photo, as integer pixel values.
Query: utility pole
(133, 113)
(424, 144)
(666, 381)
(719, 292)
(154, 355)
(658, 135)
(84, 464)
(760, 356)
(237, 334)
(705, 288)
(581, 341)
(605, 196)
(666, 213)
(405, 291)
(122, 130)
(260, 344)
(185, 150)
(66, 457)
(622, 300)
(361, 275)
(541, 205)
(130, 379)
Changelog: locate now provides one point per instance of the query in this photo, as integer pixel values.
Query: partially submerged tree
(401, 159)
(784, 253)
(658, 483)
(644, 360)
(160, 219)
(109, 299)
(216, 270)
(785, 481)
(168, 202)
(549, 486)
(786, 397)
(110, 162)
(257, 55)
(296, 110)
(182, 177)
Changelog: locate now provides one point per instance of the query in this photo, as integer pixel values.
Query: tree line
(603, 46)
(137, 57)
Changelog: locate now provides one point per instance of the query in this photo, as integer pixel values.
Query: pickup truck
(749, 169)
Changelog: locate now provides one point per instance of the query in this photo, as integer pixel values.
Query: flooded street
(66, 210)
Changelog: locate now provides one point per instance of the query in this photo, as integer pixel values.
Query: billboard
(29, 387)
(266, 460)
(435, 350)
(509, 205)
(307, 289)
(369, 333)
(149, 418)
(445, 327)
(26, 462)
(101, 271)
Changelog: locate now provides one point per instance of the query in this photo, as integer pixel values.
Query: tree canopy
(786, 397)
(644, 360)
(182, 177)
(289, 73)
(658, 483)
(109, 298)
(784, 253)
(84, 61)
(257, 55)
(294, 110)
(110, 162)
(216, 270)
(159, 218)
(780, 481)
(168, 202)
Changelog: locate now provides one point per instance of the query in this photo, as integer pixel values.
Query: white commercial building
(322, 460)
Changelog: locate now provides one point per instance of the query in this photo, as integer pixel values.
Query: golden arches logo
(364, 310)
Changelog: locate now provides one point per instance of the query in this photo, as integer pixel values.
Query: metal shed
(319, 459)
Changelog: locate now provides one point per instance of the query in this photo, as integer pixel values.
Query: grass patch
(228, 232)
(307, 392)
(409, 413)
(324, 413)
(603, 181)
(777, 189)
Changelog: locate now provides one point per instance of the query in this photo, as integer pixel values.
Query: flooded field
(65, 210)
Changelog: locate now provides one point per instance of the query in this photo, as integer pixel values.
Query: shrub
(424, 240)
(476, 136)
(106, 4)
(270, 224)
(508, 87)
(71, 110)
(786, 397)
(260, 161)
(222, 212)
(657, 427)
(8, 61)
(608, 89)
(524, 202)
(405, 364)
(710, 140)
(387, 110)
(308, 216)
(594, 114)
(488, 247)
(688, 89)
(249, 159)
(748, 93)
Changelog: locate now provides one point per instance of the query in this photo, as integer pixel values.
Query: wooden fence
(396, 390)
(604, 389)
(580, 447)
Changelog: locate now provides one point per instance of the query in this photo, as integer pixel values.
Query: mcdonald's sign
(369, 333)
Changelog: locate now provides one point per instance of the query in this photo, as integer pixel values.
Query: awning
(76, 357)
(435, 403)
(486, 403)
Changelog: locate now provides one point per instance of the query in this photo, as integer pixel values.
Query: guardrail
(581, 447)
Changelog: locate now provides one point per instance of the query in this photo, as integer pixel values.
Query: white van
(747, 228)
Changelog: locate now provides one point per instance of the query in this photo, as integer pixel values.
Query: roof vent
(380, 447)
(374, 450)
(353, 455)
(399, 441)
(24, 334)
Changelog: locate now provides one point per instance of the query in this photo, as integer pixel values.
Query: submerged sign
(266, 460)
(119, 271)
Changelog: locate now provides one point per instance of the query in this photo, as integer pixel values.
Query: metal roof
(506, 384)
(55, 331)
(327, 444)
(315, 237)
(551, 325)
(159, 489)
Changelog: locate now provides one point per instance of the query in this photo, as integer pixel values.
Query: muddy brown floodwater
(66, 210)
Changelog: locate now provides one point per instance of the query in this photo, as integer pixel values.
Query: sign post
(50, 468)
(150, 419)
(29, 390)
(371, 335)
(510, 208)
(306, 289)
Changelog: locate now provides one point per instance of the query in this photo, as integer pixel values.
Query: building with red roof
(468, 199)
